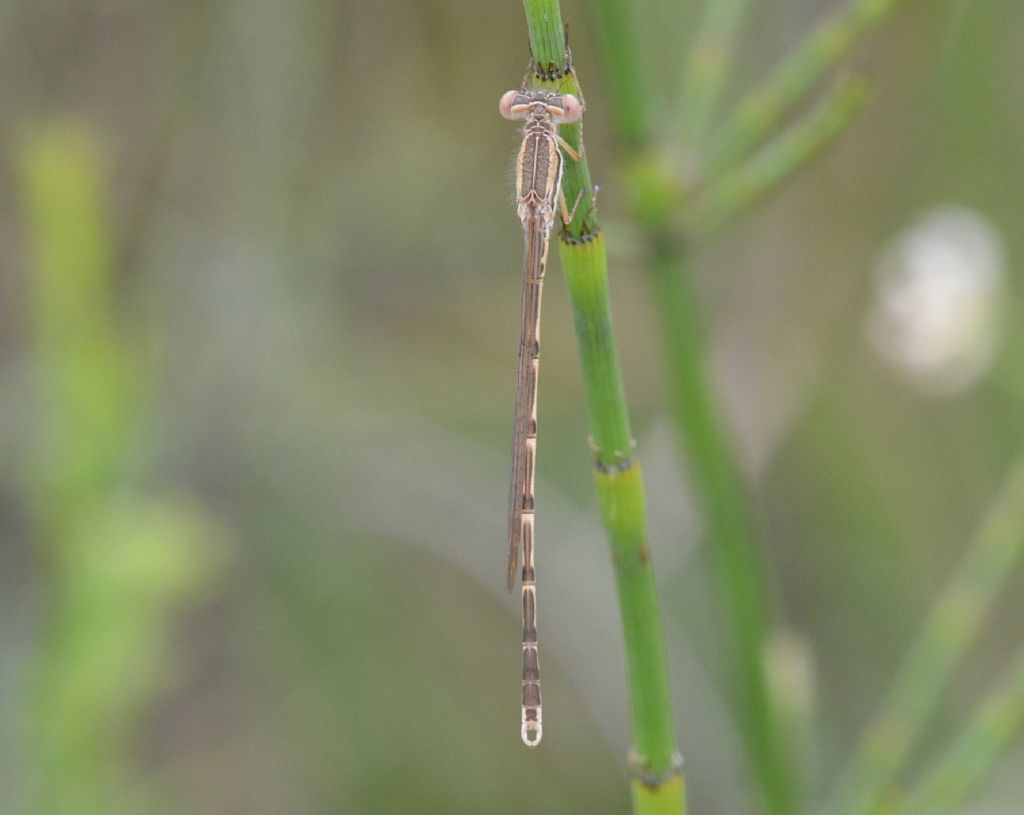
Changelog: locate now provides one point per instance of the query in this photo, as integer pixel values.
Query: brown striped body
(538, 187)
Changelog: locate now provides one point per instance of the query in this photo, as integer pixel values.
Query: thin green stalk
(621, 494)
(720, 488)
(759, 112)
(89, 377)
(974, 754)
(656, 201)
(662, 198)
(951, 626)
(739, 189)
(631, 96)
(550, 57)
(708, 67)
(118, 563)
(547, 35)
(658, 783)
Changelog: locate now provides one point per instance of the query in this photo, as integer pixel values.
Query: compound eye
(572, 109)
(506, 102)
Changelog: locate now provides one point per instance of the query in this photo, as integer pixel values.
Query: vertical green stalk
(621, 494)
(699, 189)
(118, 562)
(658, 199)
(719, 487)
(658, 783)
(631, 97)
(656, 204)
(708, 67)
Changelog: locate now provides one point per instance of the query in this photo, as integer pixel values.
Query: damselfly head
(563, 108)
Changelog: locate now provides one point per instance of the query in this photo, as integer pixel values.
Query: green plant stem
(547, 38)
(631, 98)
(719, 486)
(974, 754)
(655, 202)
(118, 563)
(739, 189)
(88, 374)
(950, 627)
(658, 784)
(662, 200)
(621, 494)
(708, 67)
(760, 110)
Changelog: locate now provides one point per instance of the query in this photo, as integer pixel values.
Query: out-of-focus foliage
(258, 313)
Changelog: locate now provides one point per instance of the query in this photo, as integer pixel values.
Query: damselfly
(538, 194)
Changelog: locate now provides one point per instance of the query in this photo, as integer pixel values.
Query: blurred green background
(259, 292)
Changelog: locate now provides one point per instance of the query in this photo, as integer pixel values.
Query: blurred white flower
(937, 314)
